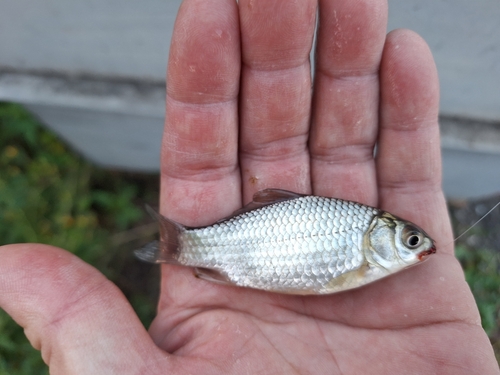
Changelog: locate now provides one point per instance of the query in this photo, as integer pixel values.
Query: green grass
(49, 194)
(482, 272)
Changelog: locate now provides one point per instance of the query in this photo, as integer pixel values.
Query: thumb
(79, 320)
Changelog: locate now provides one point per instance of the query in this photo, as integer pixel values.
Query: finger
(79, 320)
(199, 173)
(409, 154)
(351, 36)
(275, 94)
(200, 179)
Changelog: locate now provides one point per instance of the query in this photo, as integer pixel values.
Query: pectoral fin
(348, 280)
(212, 276)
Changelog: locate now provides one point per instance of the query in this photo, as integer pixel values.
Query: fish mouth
(424, 254)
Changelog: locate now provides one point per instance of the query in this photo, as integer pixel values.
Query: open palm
(243, 115)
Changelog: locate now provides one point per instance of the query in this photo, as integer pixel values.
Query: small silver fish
(290, 243)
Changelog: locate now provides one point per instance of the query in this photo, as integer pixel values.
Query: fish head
(395, 244)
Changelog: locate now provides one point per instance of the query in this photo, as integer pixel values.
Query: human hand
(241, 118)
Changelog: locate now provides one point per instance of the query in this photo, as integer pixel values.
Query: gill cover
(380, 241)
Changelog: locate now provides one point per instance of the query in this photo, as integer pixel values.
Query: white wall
(94, 71)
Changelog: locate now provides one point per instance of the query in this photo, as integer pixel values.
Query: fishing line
(477, 222)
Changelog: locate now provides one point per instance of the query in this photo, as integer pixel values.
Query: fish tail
(167, 249)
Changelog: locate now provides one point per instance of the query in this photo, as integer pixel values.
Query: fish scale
(283, 246)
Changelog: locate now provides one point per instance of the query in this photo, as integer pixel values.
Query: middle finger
(275, 94)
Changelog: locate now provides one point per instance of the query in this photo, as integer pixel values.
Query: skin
(241, 116)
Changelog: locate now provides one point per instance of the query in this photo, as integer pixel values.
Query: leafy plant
(48, 194)
(482, 269)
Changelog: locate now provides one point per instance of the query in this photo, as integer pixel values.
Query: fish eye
(413, 240)
(412, 237)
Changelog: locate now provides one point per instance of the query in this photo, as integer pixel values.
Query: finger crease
(201, 174)
(270, 67)
(350, 75)
(411, 125)
(414, 186)
(277, 150)
(348, 154)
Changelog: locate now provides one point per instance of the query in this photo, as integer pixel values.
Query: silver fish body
(290, 243)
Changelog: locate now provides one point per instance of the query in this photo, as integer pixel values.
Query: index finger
(199, 163)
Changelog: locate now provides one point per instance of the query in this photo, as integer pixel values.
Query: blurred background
(81, 116)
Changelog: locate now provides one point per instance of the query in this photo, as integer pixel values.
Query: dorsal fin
(264, 198)
(269, 196)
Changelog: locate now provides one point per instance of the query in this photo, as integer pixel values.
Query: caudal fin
(167, 249)
(149, 253)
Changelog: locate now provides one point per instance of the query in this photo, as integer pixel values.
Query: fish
(290, 243)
